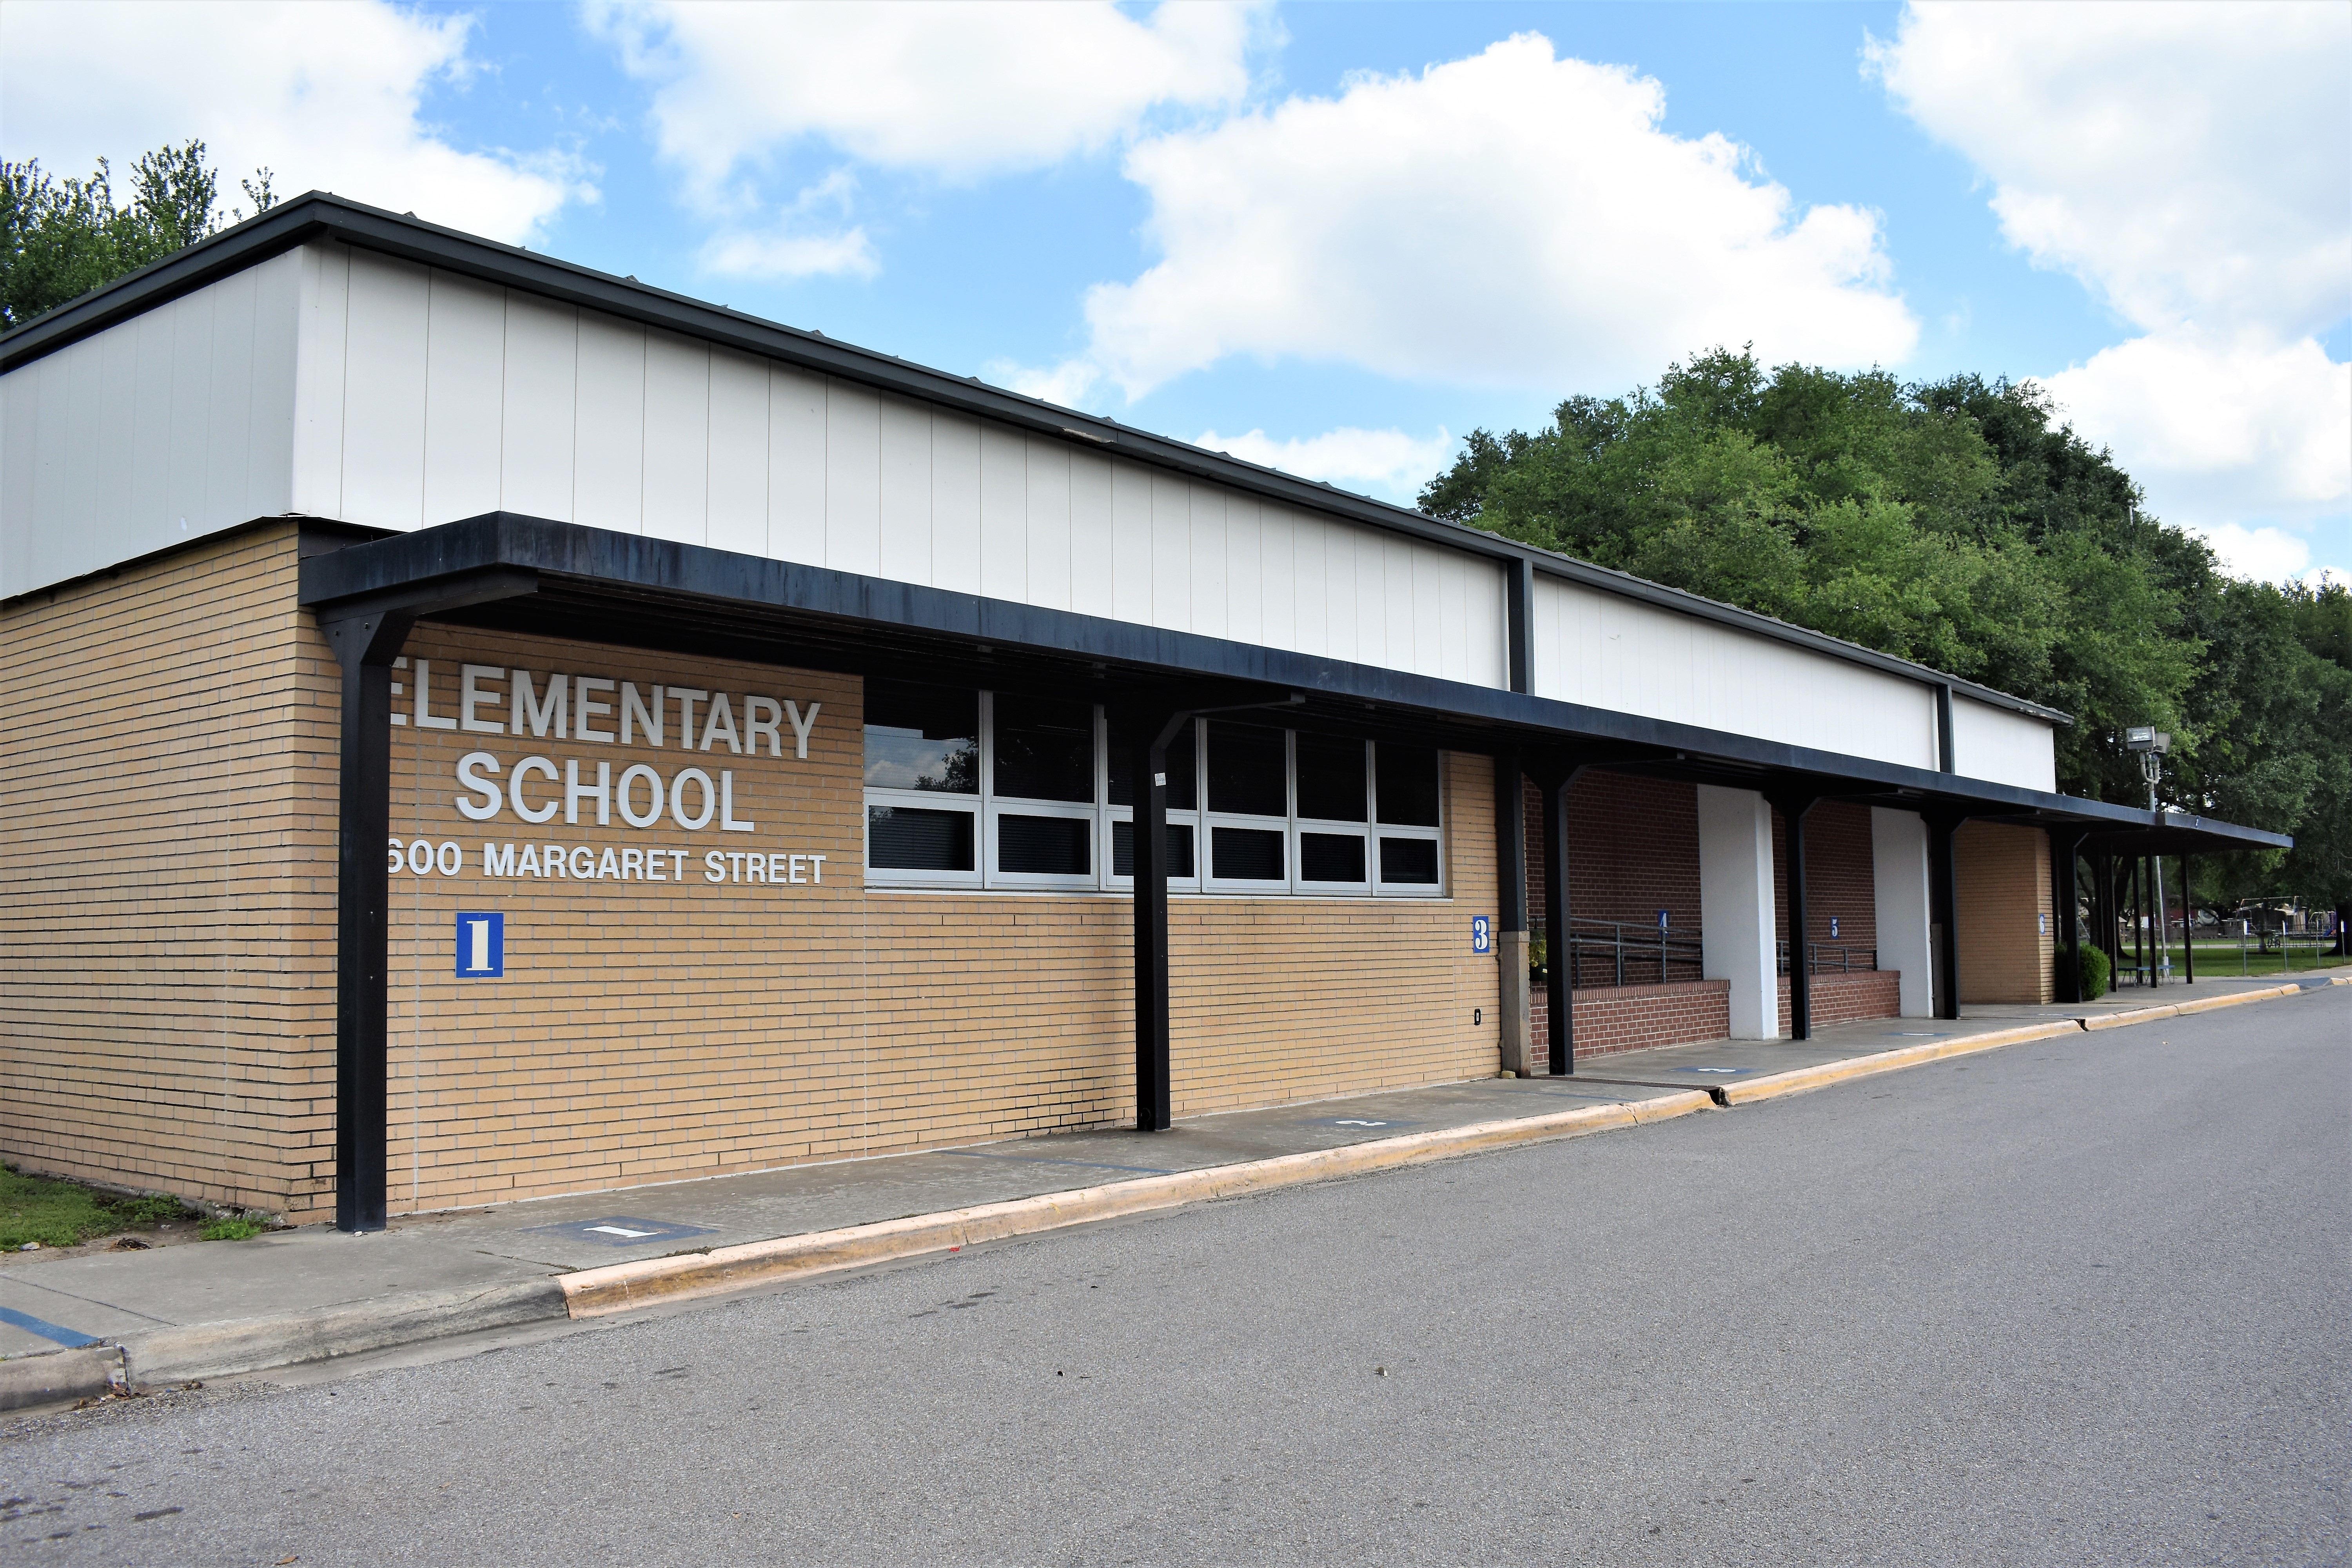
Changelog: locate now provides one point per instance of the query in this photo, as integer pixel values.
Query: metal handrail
(1845, 964)
(1653, 953)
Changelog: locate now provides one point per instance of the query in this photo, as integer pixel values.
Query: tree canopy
(1959, 524)
(60, 239)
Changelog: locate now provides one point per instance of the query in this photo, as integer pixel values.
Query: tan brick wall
(167, 851)
(650, 1032)
(166, 878)
(2002, 887)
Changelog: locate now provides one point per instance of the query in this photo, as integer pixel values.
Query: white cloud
(1388, 462)
(326, 95)
(2191, 164)
(1509, 219)
(791, 248)
(953, 90)
(2269, 554)
(2222, 427)
(2188, 162)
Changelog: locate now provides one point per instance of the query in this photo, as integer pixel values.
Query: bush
(2092, 966)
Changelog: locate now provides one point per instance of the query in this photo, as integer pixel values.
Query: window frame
(987, 809)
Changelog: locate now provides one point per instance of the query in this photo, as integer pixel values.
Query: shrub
(2092, 966)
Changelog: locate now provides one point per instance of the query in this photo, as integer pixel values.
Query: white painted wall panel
(1004, 514)
(1090, 533)
(229, 365)
(177, 417)
(1131, 543)
(739, 453)
(321, 339)
(542, 370)
(608, 457)
(1045, 489)
(796, 402)
(955, 504)
(903, 491)
(386, 340)
(464, 405)
(2006, 747)
(1607, 651)
(677, 438)
(853, 480)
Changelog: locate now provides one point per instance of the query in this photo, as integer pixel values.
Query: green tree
(60, 239)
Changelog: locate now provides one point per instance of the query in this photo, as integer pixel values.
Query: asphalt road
(2079, 1302)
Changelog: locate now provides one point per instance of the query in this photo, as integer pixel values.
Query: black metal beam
(1943, 912)
(1793, 810)
(1560, 946)
(2187, 927)
(608, 587)
(365, 645)
(1510, 843)
(1154, 728)
(366, 635)
(2067, 980)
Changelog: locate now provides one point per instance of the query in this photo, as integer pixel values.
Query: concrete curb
(597, 1292)
(255, 1344)
(54, 1377)
(1803, 1078)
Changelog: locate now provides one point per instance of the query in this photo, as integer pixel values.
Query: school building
(473, 728)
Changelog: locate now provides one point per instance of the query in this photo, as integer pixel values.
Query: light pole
(2152, 744)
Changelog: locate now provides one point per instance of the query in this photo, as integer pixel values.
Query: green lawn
(2222, 961)
(60, 1214)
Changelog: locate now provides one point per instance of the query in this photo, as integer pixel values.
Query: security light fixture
(2144, 738)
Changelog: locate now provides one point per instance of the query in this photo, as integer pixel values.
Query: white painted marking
(618, 1230)
(1350, 1122)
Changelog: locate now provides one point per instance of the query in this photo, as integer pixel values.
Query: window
(978, 789)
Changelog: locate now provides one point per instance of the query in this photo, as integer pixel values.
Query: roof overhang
(507, 572)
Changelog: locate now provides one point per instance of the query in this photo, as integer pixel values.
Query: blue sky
(1337, 236)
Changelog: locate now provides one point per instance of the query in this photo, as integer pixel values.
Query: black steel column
(1510, 844)
(365, 645)
(1154, 729)
(1793, 808)
(1560, 946)
(1943, 912)
(2187, 929)
(2142, 973)
(2068, 980)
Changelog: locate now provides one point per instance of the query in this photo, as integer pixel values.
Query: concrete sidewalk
(312, 1293)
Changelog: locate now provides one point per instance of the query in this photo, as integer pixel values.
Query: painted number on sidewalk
(481, 946)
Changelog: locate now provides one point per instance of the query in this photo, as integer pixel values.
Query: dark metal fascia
(559, 551)
(321, 214)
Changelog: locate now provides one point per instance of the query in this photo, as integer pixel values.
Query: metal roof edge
(321, 214)
(496, 540)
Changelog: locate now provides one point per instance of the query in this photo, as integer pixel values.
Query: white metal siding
(447, 398)
(169, 425)
(1607, 651)
(2006, 747)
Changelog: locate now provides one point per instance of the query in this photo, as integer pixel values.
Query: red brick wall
(1633, 1017)
(1849, 998)
(1632, 850)
(1840, 880)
